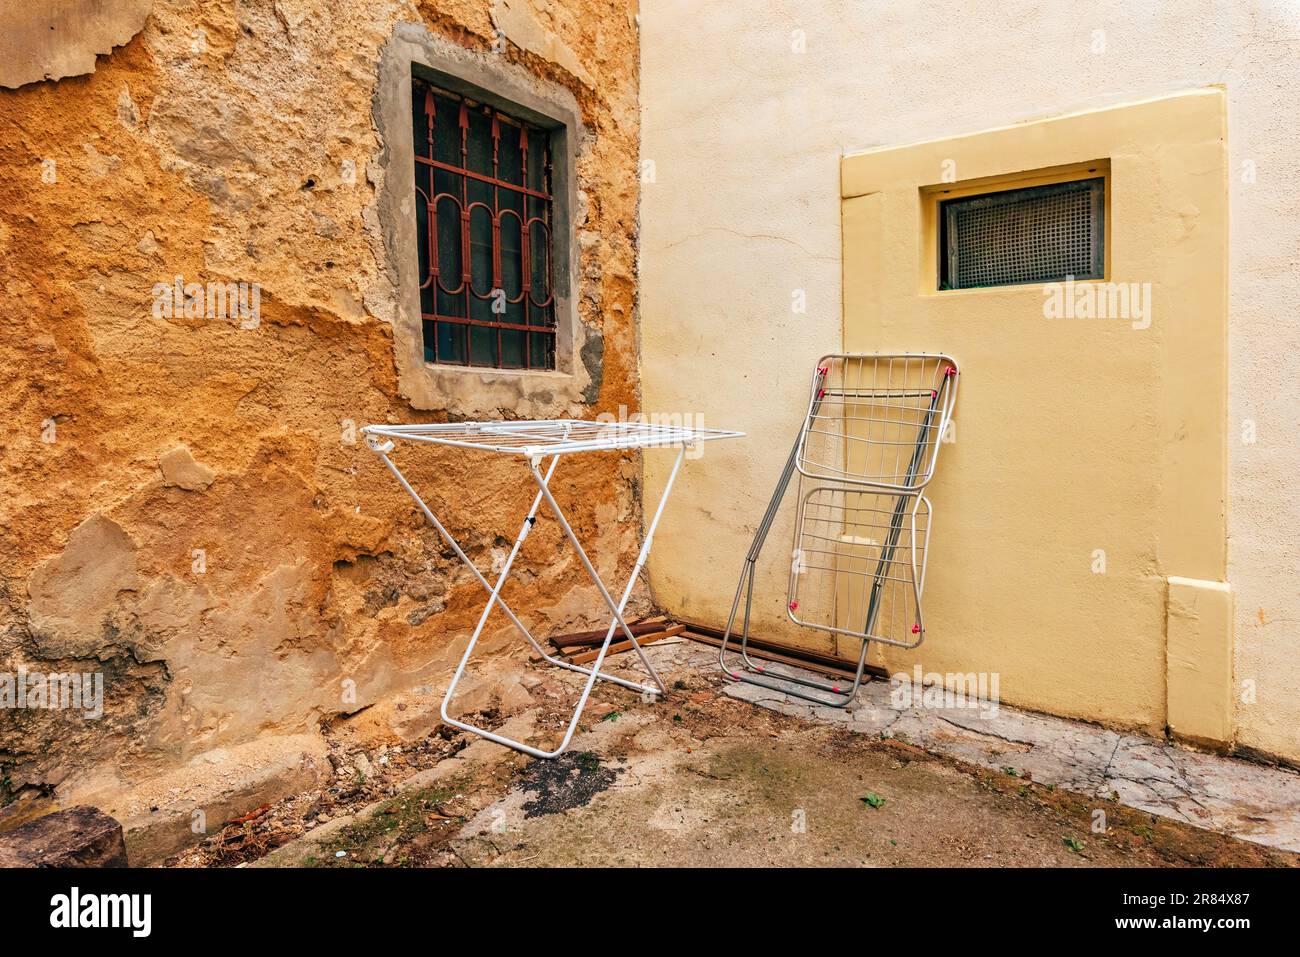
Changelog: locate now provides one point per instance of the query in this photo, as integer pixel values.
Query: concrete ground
(722, 774)
(1247, 800)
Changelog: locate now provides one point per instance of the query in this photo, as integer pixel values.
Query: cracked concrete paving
(1250, 801)
(705, 777)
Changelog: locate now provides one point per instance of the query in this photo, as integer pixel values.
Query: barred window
(1031, 235)
(484, 219)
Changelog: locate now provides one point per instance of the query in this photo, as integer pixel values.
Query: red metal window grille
(484, 217)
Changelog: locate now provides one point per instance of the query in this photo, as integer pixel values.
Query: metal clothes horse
(541, 445)
(864, 454)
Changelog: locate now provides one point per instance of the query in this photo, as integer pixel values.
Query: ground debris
(704, 779)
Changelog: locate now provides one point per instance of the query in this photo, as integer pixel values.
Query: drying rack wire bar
(550, 436)
(878, 420)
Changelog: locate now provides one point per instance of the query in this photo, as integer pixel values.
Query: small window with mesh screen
(1032, 235)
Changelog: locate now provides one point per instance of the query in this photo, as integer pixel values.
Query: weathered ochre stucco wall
(746, 115)
(219, 144)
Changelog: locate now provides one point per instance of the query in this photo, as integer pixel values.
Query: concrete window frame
(414, 53)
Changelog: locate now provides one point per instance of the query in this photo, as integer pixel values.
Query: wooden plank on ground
(621, 646)
(771, 651)
(642, 626)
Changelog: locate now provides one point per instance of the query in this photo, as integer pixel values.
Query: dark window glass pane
(479, 191)
(539, 255)
(482, 346)
(451, 304)
(422, 226)
(512, 260)
(480, 249)
(447, 182)
(446, 130)
(537, 163)
(420, 121)
(511, 200)
(512, 348)
(451, 343)
(449, 257)
(543, 350)
(429, 340)
(480, 310)
(480, 142)
(510, 165)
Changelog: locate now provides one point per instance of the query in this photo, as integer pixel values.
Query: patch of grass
(1012, 772)
(399, 819)
(612, 716)
(1074, 844)
(872, 799)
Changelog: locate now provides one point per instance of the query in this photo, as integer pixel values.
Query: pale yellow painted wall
(1088, 461)
(748, 108)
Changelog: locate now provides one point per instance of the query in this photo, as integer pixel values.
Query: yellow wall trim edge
(1198, 660)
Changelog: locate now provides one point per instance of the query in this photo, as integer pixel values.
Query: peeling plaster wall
(186, 506)
(746, 115)
(58, 38)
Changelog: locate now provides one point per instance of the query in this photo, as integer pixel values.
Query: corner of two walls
(191, 511)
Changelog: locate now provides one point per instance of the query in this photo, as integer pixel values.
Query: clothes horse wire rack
(541, 445)
(864, 454)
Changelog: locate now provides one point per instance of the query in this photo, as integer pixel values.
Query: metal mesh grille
(859, 564)
(1041, 234)
(877, 420)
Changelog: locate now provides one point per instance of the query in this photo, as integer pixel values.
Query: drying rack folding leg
(755, 672)
(617, 623)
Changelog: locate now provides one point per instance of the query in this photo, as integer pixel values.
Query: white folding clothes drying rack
(541, 445)
(866, 450)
